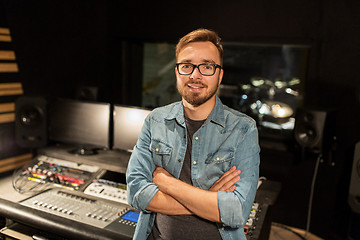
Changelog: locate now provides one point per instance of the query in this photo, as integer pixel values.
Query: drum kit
(271, 103)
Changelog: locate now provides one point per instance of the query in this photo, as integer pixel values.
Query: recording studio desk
(18, 218)
(25, 222)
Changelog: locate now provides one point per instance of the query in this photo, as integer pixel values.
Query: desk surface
(111, 160)
(8, 192)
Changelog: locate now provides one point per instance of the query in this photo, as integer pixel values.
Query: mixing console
(79, 207)
(103, 202)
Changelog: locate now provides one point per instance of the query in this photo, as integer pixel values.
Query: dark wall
(64, 45)
(64, 42)
(59, 46)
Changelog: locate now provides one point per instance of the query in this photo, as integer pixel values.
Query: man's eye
(186, 66)
(207, 67)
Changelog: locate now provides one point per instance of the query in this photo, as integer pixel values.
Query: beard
(195, 99)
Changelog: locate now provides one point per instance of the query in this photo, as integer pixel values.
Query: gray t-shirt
(179, 227)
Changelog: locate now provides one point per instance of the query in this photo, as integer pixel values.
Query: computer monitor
(82, 124)
(128, 122)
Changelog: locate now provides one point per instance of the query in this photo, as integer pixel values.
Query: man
(184, 173)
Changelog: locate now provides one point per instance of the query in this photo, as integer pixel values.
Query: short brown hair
(201, 35)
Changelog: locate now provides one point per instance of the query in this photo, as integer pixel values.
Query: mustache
(196, 82)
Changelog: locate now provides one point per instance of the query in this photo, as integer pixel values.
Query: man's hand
(161, 178)
(227, 180)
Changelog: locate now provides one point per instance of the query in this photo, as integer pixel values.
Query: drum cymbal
(279, 109)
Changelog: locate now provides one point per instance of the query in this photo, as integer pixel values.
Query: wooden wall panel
(8, 67)
(5, 35)
(5, 38)
(11, 89)
(5, 31)
(7, 55)
(7, 107)
(11, 155)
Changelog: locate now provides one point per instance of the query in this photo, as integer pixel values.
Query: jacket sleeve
(140, 188)
(235, 206)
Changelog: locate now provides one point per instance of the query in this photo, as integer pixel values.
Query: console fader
(77, 206)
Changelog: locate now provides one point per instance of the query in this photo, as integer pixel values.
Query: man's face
(196, 88)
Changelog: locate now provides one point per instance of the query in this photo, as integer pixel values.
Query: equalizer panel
(108, 189)
(45, 171)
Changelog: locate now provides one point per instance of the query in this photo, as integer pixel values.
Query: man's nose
(196, 74)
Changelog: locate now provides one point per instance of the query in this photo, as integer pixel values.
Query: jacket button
(194, 162)
(196, 138)
(179, 160)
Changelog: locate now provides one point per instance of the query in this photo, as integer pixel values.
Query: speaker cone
(306, 136)
(30, 116)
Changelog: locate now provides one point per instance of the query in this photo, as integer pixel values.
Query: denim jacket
(227, 138)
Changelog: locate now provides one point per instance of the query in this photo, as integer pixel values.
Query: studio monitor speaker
(314, 129)
(31, 122)
(354, 190)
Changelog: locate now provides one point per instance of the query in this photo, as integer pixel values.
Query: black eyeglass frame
(197, 66)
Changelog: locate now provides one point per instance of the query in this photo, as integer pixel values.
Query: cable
(312, 195)
(20, 181)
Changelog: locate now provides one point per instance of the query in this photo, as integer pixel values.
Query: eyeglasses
(206, 69)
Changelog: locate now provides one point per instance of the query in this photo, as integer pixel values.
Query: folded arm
(176, 197)
(166, 204)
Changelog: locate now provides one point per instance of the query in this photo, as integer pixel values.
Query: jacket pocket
(221, 156)
(218, 163)
(161, 152)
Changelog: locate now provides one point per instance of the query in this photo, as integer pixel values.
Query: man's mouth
(195, 86)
